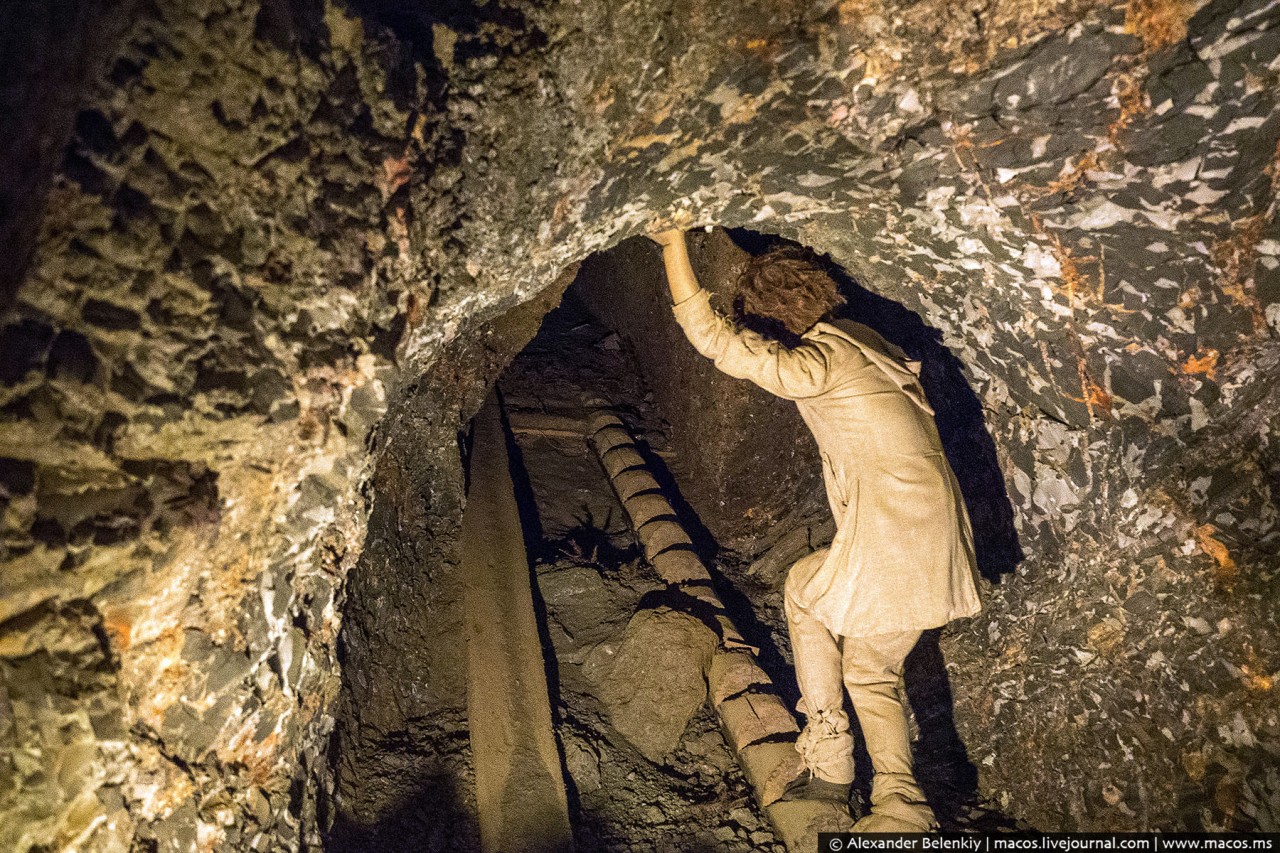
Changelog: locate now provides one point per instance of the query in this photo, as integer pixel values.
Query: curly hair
(788, 289)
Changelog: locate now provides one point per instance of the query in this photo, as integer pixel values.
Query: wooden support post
(520, 792)
(758, 726)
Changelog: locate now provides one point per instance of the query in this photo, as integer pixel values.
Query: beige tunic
(902, 558)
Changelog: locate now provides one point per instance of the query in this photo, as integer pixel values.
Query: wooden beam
(520, 791)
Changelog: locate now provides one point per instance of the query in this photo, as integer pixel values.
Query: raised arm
(675, 254)
(790, 373)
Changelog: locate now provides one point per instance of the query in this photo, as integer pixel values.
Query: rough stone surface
(657, 679)
(200, 347)
(273, 218)
(582, 606)
(49, 50)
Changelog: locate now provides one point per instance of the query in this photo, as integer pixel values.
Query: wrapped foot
(897, 814)
(807, 786)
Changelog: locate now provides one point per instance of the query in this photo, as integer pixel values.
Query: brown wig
(783, 292)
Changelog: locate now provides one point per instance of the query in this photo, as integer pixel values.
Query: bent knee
(801, 571)
(865, 682)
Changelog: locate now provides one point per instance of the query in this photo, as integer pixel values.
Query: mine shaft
(691, 425)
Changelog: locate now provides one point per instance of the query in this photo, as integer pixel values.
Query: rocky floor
(693, 798)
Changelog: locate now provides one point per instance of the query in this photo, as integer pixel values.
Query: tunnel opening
(268, 257)
(657, 768)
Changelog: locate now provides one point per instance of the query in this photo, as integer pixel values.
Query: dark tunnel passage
(611, 348)
(292, 289)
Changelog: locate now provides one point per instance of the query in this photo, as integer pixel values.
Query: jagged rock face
(191, 368)
(269, 213)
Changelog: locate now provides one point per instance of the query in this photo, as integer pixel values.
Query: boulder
(657, 680)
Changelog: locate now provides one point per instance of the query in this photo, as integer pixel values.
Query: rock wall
(190, 370)
(269, 212)
(49, 51)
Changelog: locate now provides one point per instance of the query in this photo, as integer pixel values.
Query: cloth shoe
(895, 813)
(807, 786)
(885, 823)
(825, 744)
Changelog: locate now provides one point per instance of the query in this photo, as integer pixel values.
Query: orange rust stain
(1214, 547)
(1205, 364)
(395, 174)
(1073, 280)
(1159, 23)
(119, 632)
(962, 138)
(419, 128)
(1073, 179)
(1257, 675)
(1098, 397)
(1094, 396)
(1234, 256)
(1258, 682)
(1133, 103)
(763, 49)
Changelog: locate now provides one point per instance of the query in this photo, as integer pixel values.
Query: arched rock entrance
(743, 471)
(266, 221)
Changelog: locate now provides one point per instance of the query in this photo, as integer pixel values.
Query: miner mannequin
(902, 559)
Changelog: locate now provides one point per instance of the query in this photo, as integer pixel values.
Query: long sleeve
(790, 373)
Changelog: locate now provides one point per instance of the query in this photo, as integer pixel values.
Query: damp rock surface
(259, 249)
(665, 781)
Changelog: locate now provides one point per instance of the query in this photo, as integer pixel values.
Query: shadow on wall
(435, 819)
(948, 777)
(942, 765)
(968, 444)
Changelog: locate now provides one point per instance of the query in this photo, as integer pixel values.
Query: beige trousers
(870, 668)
